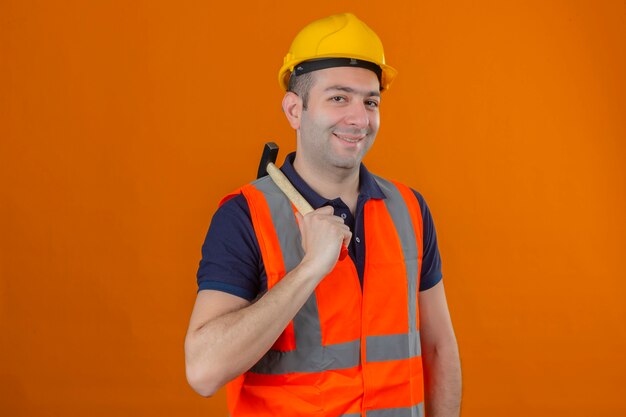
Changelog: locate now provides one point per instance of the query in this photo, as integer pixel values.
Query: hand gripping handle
(294, 196)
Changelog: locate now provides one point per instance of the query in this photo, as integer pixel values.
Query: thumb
(299, 220)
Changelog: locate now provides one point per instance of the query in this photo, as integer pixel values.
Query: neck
(331, 184)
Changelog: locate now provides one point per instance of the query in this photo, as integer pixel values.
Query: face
(341, 120)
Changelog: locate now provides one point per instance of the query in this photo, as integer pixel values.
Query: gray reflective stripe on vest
(309, 359)
(401, 217)
(310, 355)
(392, 347)
(415, 411)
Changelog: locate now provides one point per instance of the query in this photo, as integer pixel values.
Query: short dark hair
(301, 85)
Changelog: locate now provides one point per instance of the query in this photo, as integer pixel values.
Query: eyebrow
(352, 90)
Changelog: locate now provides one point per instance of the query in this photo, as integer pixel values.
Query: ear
(292, 107)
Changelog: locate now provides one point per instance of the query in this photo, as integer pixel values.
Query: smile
(350, 138)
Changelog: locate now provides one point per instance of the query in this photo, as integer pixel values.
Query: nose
(358, 115)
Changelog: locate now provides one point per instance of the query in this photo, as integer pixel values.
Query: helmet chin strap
(324, 63)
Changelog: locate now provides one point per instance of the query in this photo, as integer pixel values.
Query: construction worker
(288, 324)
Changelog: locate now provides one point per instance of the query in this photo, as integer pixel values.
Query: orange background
(123, 123)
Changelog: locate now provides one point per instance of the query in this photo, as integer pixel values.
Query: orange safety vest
(349, 351)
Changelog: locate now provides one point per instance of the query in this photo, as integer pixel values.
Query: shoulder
(420, 200)
(390, 187)
(239, 209)
(234, 204)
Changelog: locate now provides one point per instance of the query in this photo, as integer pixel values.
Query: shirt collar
(369, 188)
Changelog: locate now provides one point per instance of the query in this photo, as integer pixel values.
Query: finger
(336, 222)
(347, 236)
(335, 219)
(325, 210)
(344, 227)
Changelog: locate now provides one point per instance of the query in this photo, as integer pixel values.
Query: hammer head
(270, 152)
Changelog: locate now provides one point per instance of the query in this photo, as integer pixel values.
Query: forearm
(442, 374)
(225, 347)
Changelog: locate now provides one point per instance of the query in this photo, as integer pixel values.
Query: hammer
(266, 166)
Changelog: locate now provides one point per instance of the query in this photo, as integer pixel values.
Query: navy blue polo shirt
(231, 257)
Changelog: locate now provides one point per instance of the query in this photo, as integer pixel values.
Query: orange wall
(123, 123)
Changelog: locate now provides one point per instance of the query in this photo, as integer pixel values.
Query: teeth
(348, 139)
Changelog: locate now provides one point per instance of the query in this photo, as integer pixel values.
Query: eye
(372, 103)
(338, 99)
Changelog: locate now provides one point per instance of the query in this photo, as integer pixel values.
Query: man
(291, 327)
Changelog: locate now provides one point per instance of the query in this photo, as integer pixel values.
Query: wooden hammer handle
(285, 186)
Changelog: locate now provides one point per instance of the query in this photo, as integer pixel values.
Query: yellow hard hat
(337, 36)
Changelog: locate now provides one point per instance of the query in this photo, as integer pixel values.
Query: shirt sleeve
(231, 257)
(431, 259)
